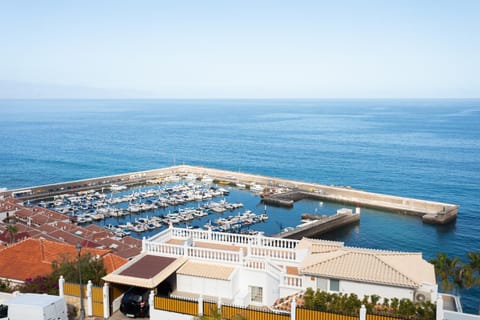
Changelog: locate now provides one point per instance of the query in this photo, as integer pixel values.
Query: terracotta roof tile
(28, 261)
(34, 257)
(112, 262)
(18, 236)
(382, 267)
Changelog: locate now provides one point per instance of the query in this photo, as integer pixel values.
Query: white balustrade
(164, 248)
(274, 253)
(255, 264)
(231, 238)
(193, 252)
(162, 236)
(277, 242)
(292, 281)
(213, 254)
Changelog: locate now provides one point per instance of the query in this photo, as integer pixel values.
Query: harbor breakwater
(430, 211)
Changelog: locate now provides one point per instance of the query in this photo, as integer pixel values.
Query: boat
(256, 187)
(240, 185)
(223, 191)
(116, 187)
(207, 180)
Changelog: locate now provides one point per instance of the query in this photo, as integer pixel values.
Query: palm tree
(12, 231)
(454, 274)
(474, 263)
(447, 270)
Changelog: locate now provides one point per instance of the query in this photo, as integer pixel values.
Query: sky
(240, 49)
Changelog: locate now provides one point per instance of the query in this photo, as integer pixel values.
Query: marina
(437, 212)
(142, 203)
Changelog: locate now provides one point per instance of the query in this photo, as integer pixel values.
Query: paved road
(116, 316)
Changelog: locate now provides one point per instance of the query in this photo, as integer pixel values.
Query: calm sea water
(428, 149)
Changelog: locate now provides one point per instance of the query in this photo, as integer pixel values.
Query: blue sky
(240, 49)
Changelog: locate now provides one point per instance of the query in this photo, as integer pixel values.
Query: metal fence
(73, 290)
(97, 301)
(209, 308)
(382, 317)
(308, 314)
(229, 312)
(176, 305)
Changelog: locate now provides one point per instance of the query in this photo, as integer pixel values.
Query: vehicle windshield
(134, 295)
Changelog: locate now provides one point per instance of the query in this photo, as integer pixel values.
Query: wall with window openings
(358, 288)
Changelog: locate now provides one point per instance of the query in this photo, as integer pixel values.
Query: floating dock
(430, 211)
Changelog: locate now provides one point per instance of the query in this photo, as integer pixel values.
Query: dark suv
(135, 302)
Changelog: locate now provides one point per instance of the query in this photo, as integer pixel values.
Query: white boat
(256, 187)
(116, 187)
(191, 177)
(139, 228)
(207, 179)
(223, 191)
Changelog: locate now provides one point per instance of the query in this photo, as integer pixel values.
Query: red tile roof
(5, 236)
(44, 223)
(34, 257)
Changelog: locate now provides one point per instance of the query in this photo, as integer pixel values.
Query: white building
(256, 270)
(388, 274)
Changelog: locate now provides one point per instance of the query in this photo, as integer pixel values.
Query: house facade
(256, 270)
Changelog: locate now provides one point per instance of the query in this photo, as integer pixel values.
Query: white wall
(236, 289)
(452, 315)
(205, 286)
(116, 304)
(362, 289)
(259, 278)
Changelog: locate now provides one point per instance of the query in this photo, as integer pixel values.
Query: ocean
(427, 149)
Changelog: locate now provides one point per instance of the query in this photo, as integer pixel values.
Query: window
(256, 294)
(322, 284)
(334, 285)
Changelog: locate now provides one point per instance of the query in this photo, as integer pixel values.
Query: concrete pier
(318, 227)
(430, 211)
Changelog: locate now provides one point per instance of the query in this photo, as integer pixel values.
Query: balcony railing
(174, 250)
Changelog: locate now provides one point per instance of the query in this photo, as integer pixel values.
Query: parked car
(135, 302)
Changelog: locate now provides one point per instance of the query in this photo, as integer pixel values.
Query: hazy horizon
(234, 50)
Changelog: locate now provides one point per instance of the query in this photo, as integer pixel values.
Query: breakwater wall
(430, 211)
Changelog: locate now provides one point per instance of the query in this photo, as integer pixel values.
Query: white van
(37, 306)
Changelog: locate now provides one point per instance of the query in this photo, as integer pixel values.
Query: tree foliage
(350, 304)
(454, 274)
(92, 268)
(40, 284)
(5, 286)
(12, 231)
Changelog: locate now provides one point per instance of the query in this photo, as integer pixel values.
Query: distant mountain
(25, 90)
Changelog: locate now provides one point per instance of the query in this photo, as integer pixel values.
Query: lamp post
(82, 309)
